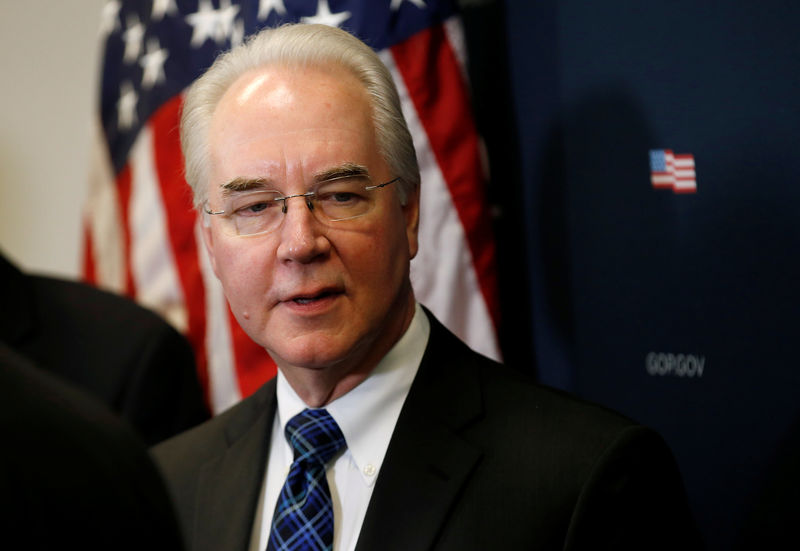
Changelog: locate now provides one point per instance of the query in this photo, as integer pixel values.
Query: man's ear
(411, 213)
(208, 240)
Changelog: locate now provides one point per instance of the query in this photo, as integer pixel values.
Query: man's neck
(317, 392)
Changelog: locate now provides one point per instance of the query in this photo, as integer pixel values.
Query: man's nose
(301, 236)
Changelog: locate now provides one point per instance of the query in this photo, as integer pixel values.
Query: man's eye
(254, 208)
(342, 197)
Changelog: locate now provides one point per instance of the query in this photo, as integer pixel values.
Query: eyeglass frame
(308, 195)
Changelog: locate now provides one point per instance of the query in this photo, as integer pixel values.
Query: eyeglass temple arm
(369, 188)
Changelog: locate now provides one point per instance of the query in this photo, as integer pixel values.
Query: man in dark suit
(397, 436)
(118, 351)
(72, 475)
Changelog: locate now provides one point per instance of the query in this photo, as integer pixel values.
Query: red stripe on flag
(124, 197)
(180, 218)
(253, 365)
(89, 267)
(433, 77)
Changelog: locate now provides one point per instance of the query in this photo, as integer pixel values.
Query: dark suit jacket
(480, 458)
(123, 354)
(72, 475)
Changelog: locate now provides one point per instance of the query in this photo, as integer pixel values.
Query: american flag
(671, 171)
(141, 233)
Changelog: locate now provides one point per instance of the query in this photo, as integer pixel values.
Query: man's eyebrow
(342, 171)
(241, 185)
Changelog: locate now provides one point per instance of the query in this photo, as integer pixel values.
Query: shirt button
(369, 470)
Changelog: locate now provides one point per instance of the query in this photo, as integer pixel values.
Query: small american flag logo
(672, 171)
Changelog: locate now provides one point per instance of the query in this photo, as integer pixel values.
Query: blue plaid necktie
(303, 518)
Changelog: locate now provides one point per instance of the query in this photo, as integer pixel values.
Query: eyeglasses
(336, 200)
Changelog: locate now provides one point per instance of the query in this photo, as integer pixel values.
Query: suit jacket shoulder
(483, 457)
(219, 466)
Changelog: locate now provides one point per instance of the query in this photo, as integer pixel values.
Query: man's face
(315, 296)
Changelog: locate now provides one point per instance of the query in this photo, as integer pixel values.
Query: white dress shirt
(367, 416)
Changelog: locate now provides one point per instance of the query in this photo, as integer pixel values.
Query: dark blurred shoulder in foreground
(71, 473)
(123, 354)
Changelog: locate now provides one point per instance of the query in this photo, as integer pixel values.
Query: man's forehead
(277, 102)
(278, 89)
(291, 125)
(270, 87)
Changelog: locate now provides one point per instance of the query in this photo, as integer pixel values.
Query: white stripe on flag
(103, 217)
(455, 36)
(153, 266)
(443, 274)
(222, 381)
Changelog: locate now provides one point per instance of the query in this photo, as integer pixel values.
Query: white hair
(299, 45)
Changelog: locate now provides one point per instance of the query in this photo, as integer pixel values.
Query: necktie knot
(314, 436)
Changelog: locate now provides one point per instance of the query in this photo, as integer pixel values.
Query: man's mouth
(310, 299)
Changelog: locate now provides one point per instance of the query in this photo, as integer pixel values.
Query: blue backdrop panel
(680, 310)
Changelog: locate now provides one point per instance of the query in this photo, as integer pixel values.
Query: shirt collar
(368, 413)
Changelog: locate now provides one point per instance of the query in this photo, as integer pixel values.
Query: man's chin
(316, 355)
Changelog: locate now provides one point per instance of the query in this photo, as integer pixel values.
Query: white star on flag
(237, 35)
(265, 7)
(133, 36)
(126, 106)
(109, 20)
(162, 8)
(397, 3)
(227, 17)
(206, 24)
(153, 64)
(325, 17)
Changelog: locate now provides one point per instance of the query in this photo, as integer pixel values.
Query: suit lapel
(427, 462)
(230, 484)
